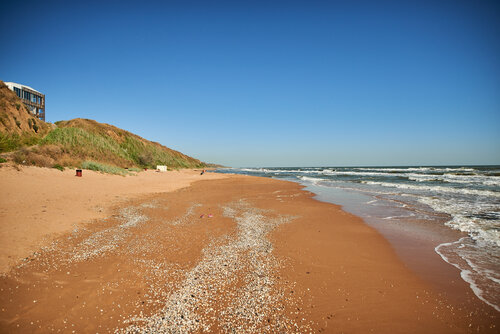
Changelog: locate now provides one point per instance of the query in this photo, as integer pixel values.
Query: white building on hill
(33, 99)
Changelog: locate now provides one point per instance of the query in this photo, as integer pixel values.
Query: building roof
(13, 84)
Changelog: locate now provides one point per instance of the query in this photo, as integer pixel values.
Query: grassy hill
(78, 142)
(18, 127)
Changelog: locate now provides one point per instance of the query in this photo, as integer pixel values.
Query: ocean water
(464, 198)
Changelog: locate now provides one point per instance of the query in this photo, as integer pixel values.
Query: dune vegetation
(83, 143)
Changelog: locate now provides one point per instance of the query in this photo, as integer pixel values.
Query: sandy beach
(181, 252)
(45, 201)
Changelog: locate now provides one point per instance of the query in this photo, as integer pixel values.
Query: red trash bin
(79, 172)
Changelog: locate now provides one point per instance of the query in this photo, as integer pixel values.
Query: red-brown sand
(226, 254)
(37, 203)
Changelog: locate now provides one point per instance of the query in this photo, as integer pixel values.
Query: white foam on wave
(254, 170)
(281, 171)
(472, 208)
(313, 180)
(422, 174)
(354, 173)
(417, 169)
(418, 177)
(341, 184)
(436, 189)
(476, 256)
(482, 281)
(399, 217)
(453, 178)
(466, 217)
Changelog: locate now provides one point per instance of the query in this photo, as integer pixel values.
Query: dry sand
(238, 254)
(36, 203)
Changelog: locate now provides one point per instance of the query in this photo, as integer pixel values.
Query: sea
(462, 198)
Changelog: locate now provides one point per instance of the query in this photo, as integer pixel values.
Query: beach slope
(226, 254)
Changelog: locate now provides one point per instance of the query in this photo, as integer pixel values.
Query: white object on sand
(161, 168)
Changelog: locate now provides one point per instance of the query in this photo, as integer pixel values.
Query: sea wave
(354, 173)
(470, 196)
(436, 189)
(470, 259)
(313, 180)
(469, 217)
(280, 171)
(453, 178)
(417, 177)
(417, 169)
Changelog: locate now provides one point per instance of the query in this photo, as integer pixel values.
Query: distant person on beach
(202, 172)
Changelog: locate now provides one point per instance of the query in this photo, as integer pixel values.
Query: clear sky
(271, 83)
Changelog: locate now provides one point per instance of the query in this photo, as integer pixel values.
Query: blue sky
(271, 83)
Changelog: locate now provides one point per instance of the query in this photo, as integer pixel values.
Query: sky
(271, 83)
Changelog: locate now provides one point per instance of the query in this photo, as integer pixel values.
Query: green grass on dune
(100, 167)
(124, 150)
(11, 142)
(86, 145)
(29, 141)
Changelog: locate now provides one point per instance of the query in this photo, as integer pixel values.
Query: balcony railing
(34, 104)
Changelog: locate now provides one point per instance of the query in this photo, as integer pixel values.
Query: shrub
(145, 159)
(19, 157)
(9, 142)
(18, 106)
(26, 157)
(52, 151)
(17, 122)
(57, 166)
(39, 160)
(4, 120)
(68, 161)
(35, 127)
(100, 167)
(2, 160)
(30, 140)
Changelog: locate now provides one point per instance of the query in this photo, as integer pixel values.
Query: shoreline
(334, 270)
(409, 238)
(412, 222)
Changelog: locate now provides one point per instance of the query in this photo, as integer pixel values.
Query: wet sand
(239, 254)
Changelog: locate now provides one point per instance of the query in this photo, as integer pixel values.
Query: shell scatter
(232, 286)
